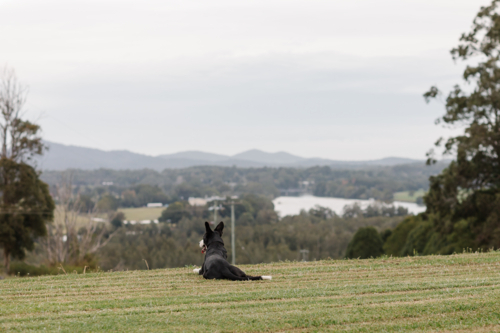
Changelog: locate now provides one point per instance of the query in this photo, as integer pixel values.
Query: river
(293, 205)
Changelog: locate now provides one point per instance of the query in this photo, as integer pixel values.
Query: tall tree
(463, 203)
(25, 202)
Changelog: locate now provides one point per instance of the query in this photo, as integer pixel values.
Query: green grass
(435, 293)
(141, 213)
(405, 196)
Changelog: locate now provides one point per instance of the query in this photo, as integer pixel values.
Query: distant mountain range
(62, 157)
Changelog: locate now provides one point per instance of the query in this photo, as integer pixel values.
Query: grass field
(405, 196)
(141, 213)
(437, 293)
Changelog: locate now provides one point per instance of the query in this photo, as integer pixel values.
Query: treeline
(135, 188)
(260, 237)
(265, 239)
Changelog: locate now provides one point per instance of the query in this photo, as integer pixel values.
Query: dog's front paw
(197, 270)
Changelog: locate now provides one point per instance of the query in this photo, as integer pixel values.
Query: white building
(197, 201)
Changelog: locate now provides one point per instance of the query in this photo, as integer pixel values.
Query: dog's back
(215, 265)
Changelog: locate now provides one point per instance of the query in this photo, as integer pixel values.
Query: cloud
(334, 79)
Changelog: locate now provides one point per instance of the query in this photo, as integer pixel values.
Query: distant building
(203, 201)
(197, 201)
(216, 198)
(141, 222)
(154, 205)
(107, 183)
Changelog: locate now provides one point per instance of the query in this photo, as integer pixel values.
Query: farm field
(141, 213)
(405, 196)
(435, 293)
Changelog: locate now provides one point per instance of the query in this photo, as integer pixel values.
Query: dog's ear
(207, 228)
(219, 228)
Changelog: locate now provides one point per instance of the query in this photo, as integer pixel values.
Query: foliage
(136, 188)
(366, 243)
(19, 138)
(385, 234)
(25, 202)
(142, 194)
(372, 210)
(107, 203)
(395, 243)
(25, 206)
(452, 293)
(260, 237)
(118, 219)
(417, 239)
(175, 212)
(463, 202)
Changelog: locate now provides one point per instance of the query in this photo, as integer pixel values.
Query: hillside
(62, 157)
(436, 293)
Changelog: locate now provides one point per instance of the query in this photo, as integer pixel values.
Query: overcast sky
(334, 79)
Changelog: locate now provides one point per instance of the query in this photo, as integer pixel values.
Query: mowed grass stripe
(420, 314)
(51, 301)
(351, 295)
(366, 300)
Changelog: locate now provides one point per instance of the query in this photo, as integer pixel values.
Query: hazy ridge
(62, 157)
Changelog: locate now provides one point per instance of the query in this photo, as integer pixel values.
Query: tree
(366, 243)
(118, 219)
(25, 202)
(25, 207)
(108, 204)
(20, 139)
(463, 202)
(174, 212)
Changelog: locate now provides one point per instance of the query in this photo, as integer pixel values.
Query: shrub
(366, 243)
(396, 241)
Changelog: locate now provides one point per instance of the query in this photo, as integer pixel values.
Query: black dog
(215, 265)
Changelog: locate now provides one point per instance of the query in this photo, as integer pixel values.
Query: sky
(332, 79)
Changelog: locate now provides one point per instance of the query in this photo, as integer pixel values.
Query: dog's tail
(231, 276)
(262, 277)
(256, 278)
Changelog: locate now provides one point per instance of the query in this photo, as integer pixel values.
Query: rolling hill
(62, 157)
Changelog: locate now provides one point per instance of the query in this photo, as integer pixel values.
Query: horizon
(233, 155)
(335, 80)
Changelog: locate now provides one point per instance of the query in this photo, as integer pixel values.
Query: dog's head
(210, 235)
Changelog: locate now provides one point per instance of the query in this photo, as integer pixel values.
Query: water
(293, 205)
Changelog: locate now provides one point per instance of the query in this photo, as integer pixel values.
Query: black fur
(216, 265)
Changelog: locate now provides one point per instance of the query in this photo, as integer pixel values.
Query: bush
(385, 234)
(417, 239)
(396, 241)
(118, 219)
(366, 243)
